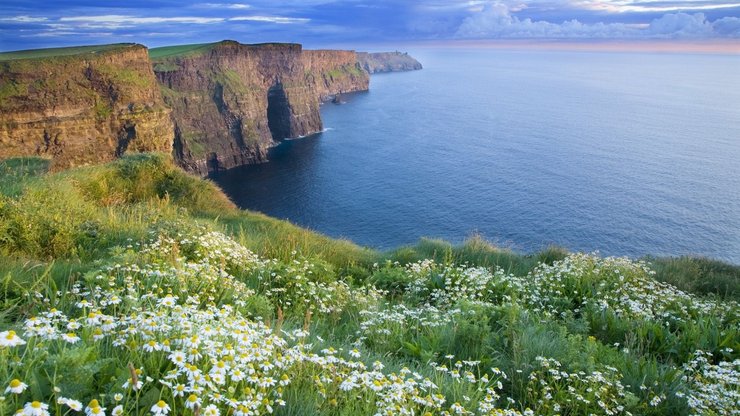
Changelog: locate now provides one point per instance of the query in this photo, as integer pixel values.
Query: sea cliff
(84, 105)
(212, 106)
(231, 102)
(375, 62)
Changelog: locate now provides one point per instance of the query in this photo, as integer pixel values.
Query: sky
(26, 24)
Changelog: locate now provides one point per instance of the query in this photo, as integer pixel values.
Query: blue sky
(33, 24)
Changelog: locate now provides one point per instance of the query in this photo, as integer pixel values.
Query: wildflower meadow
(179, 317)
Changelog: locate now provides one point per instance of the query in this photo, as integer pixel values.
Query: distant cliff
(387, 62)
(83, 105)
(214, 106)
(231, 102)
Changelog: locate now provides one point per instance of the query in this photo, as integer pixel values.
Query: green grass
(61, 52)
(166, 67)
(476, 251)
(124, 76)
(230, 80)
(180, 50)
(199, 48)
(122, 197)
(65, 236)
(345, 70)
(699, 275)
(14, 173)
(140, 187)
(10, 89)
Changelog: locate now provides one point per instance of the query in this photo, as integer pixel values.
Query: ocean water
(625, 154)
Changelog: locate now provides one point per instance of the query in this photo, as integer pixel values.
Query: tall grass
(699, 275)
(84, 212)
(573, 334)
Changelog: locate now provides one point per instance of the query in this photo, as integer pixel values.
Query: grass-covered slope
(56, 53)
(180, 50)
(133, 288)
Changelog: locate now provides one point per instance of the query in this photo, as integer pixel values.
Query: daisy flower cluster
(166, 329)
(172, 320)
(715, 388)
(621, 285)
(446, 284)
(304, 285)
(385, 324)
(554, 390)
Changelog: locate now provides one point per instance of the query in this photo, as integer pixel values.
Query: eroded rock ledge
(232, 102)
(213, 106)
(82, 108)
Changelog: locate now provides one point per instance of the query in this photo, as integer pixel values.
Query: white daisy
(10, 339)
(16, 387)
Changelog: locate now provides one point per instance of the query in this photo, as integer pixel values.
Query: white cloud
(134, 20)
(639, 6)
(497, 21)
(727, 26)
(233, 6)
(681, 25)
(271, 19)
(23, 19)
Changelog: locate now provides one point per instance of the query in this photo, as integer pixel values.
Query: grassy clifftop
(60, 52)
(134, 288)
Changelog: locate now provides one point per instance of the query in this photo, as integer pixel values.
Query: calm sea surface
(627, 154)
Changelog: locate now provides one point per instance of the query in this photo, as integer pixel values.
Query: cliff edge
(387, 62)
(81, 105)
(231, 102)
(213, 106)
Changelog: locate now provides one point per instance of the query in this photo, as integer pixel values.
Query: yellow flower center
(192, 398)
(161, 404)
(11, 335)
(36, 405)
(93, 404)
(15, 383)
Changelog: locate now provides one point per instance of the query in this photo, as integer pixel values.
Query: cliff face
(231, 102)
(214, 106)
(331, 72)
(81, 108)
(387, 62)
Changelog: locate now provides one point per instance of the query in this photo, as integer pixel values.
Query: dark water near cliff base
(627, 154)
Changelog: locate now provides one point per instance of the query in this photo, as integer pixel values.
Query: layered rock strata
(213, 106)
(232, 102)
(82, 108)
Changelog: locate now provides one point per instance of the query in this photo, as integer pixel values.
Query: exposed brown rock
(214, 106)
(83, 108)
(232, 102)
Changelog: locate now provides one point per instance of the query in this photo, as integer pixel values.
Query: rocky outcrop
(84, 105)
(231, 102)
(214, 106)
(387, 62)
(331, 72)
